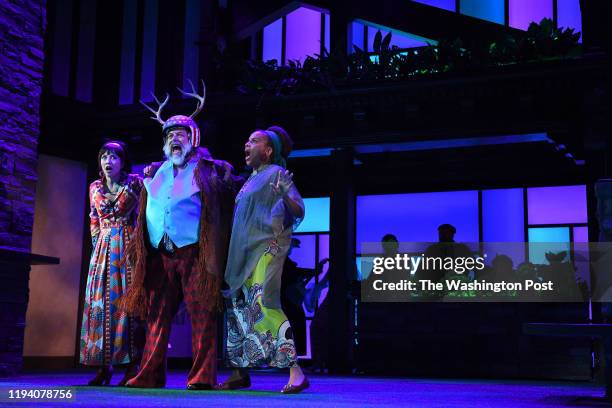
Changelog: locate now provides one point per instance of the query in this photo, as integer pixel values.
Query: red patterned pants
(169, 279)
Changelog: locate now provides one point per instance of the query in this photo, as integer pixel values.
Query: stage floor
(332, 391)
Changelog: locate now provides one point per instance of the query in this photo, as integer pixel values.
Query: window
(557, 205)
(415, 217)
(443, 4)
(306, 33)
(310, 247)
(363, 32)
(521, 13)
(490, 10)
(556, 216)
(554, 240)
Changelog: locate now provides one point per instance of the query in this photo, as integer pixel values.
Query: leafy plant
(541, 41)
(331, 70)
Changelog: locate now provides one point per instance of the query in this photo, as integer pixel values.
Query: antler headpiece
(180, 120)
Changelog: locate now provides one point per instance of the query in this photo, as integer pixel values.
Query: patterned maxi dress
(258, 336)
(107, 334)
(258, 332)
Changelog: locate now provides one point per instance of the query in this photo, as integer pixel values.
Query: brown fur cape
(218, 188)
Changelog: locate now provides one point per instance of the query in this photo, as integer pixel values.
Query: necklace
(112, 193)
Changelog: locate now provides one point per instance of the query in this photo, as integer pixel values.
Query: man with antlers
(179, 248)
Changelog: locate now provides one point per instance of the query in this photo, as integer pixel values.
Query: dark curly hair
(120, 149)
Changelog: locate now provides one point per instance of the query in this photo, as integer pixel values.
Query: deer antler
(160, 105)
(194, 94)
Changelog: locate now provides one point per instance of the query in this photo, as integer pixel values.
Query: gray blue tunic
(261, 223)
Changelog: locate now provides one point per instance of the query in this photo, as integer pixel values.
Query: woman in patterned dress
(109, 335)
(268, 208)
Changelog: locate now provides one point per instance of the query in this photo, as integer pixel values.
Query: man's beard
(177, 160)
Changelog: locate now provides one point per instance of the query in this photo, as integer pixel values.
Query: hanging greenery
(329, 71)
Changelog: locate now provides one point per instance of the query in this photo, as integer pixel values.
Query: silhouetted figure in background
(503, 269)
(560, 271)
(293, 287)
(446, 247)
(390, 247)
(319, 327)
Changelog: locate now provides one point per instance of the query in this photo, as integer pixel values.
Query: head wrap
(184, 122)
(277, 149)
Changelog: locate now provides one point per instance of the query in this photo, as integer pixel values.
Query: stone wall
(22, 26)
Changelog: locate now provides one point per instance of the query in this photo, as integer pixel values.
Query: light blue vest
(173, 205)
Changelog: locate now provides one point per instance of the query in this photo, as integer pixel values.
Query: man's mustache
(185, 150)
(175, 143)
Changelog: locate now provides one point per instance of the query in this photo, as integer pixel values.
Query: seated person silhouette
(293, 288)
(446, 247)
(390, 247)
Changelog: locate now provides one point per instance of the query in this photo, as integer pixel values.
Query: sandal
(295, 389)
(243, 382)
